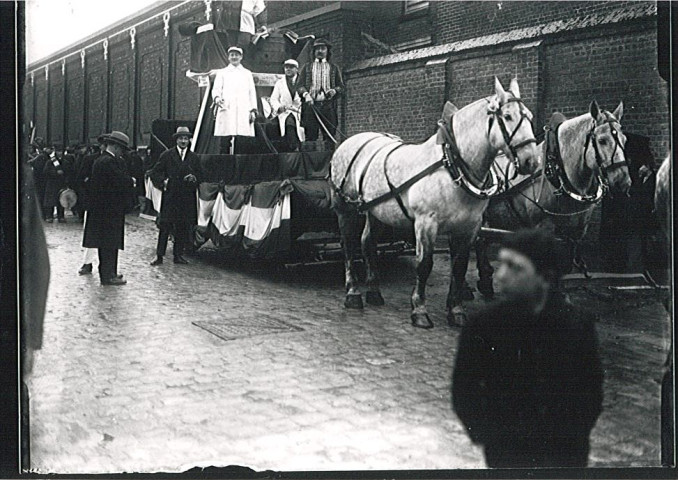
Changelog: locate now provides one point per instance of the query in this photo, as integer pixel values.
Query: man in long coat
(235, 97)
(528, 383)
(83, 176)
(320, 86)
(37, 163)
(110, 189)
(177, 171)
(287, 104)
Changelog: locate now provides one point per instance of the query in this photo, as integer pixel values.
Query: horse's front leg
(425, 230)
(348, 229)
(485, 270)
(459, 251)
(369, 249)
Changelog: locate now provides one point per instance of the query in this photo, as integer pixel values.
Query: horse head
(510, 127)
(604, 147)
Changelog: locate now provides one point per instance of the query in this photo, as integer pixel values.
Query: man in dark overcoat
(82, 180)
(528, 383)
(177, 173)
(320, 86)
(110, 188)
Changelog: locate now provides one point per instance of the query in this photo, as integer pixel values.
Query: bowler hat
(320, 42)
(116, 138)
(182, 132)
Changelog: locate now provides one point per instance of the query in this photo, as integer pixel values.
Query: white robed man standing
(235, 98)
(287, 104)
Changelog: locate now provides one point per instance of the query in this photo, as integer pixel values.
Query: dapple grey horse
(439, 187)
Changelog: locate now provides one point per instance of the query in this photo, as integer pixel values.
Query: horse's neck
(572, 138)
(470, 126)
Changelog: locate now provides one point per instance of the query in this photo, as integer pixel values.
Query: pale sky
(55, 24)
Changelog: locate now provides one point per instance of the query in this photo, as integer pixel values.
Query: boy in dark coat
(177, 173)
(527, 382)
(110, 188)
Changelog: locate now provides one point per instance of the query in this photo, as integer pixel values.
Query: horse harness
(555, 168)
(451, 160)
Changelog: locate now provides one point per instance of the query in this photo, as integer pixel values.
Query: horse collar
(554, 169)
(457, 167)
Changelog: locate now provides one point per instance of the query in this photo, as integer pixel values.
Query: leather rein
(451, 160)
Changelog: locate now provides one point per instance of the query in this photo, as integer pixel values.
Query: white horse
(583, 158)
(440, 186)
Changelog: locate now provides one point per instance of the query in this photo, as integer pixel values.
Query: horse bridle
(504, 131)
(591, 139)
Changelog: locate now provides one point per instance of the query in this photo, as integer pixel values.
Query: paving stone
(125, 382)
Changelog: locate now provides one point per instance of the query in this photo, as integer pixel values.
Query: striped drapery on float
(245, 202)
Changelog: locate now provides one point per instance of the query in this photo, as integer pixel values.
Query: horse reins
(504, 131)
(591, 139)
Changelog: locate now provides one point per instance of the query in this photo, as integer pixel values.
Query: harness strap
(350, 164)
(518, 186)
(369, 161)
(399, 189)
(393, 188)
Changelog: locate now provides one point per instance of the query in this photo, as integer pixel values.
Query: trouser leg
(291, 135)
(107, 263)
(162, 241)
(180, 238)
(310, 123)
(88, 256)
(60, 211)
(225, 145)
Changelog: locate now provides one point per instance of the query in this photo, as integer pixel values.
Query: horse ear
(514, 88)
(449, 110)
(619, 111)
(594, 110)
(499, 90)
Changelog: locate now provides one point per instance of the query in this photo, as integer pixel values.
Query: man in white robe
(286, 103)
(235, 98)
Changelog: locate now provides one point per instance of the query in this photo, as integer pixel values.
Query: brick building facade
(401, 60)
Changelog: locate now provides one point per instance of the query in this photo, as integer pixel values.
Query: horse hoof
(457, 317)
(486, 289)
(374, 298)
(421, 320)
(354, 301)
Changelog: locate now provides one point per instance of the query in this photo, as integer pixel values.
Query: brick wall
(56, 106)
(455, 21)
(404, 101)
(122, 72)
(392, 27)
(75, 101)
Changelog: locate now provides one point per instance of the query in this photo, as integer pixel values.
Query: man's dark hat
(549, 255)
(117, 138)
(320, 42)
(182, 132)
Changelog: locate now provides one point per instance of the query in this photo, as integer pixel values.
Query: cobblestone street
(127, 382)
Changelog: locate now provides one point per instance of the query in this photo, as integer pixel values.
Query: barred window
(411, 6)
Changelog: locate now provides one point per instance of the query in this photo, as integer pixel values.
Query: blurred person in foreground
(527, 383)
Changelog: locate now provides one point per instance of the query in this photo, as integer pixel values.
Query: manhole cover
(230, 329)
